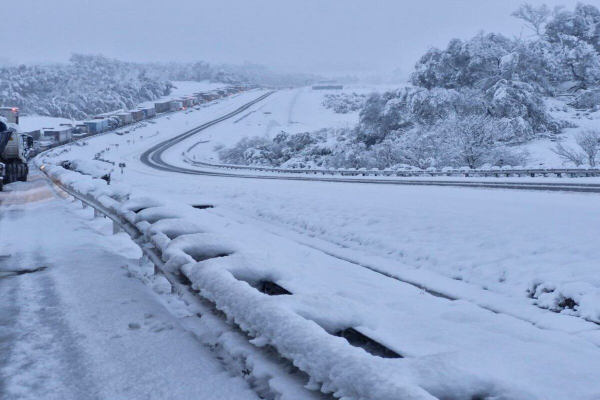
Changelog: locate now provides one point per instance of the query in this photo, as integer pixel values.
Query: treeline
(247, 73)
(87, 85)
(93, 84)
(468, 105)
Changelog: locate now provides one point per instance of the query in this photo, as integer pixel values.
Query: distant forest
(92, 84)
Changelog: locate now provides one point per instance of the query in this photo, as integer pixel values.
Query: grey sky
(309, 35)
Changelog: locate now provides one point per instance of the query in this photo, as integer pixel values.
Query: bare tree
(589, 141)
(535, 17)
(470, 140)
(569, 154)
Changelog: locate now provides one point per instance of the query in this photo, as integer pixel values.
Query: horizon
(352, 37)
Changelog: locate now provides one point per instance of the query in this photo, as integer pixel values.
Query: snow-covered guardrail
(212, 264)
(461, 172)
(178, 247)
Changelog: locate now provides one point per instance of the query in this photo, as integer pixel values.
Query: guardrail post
(97, 213)
(84, 205)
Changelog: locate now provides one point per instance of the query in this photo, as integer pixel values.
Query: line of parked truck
(17, 147)
(64, 133)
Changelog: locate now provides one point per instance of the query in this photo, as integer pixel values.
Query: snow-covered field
(451, 348)
(324, 240)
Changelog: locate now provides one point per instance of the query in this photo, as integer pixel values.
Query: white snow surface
(322, 240)
(84, 328)
(291, 111)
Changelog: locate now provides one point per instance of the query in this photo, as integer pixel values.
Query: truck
(97, 125)
(15, 148)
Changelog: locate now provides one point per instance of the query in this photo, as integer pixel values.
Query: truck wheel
(10, 173)
(15, 172)
(23, 173)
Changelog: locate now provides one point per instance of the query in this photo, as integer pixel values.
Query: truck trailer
(11, 114)
(15, 149)
(97, 125)
(162, 106)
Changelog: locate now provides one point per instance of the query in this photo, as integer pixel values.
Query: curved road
(153, 158)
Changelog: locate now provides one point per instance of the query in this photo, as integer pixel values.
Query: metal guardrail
(540, 172)
(184, 287)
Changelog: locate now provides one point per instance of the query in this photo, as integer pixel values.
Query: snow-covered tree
(583, 23)
(589, 142)
(535, 17)
(569, 154)
(87, 85)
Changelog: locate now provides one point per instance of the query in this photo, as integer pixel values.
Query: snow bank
(175, 227)
(336, 367)
(297, 326)
(139, 203)
(96, 169)
(187, 249)
(154, 214)
(581, 299)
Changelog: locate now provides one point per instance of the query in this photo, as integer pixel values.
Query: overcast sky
(300, 35)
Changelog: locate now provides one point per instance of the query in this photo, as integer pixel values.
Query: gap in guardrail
(272, 289)
(357, 339)
(202, 206)
(200, 256)
(137, 210)
(352, 336)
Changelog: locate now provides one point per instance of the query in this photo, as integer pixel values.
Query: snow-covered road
(82, 327)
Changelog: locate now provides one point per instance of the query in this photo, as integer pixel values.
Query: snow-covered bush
(292, 151)
(519, 104)
(588, 99)
(474, 141)
(248, 151)
(455, 142)
(344, 103)
(515, 103)
(588, 143)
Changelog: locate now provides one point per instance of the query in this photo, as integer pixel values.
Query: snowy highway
(300, 200)
(77, 324)
(153, 157)
(419, 269)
